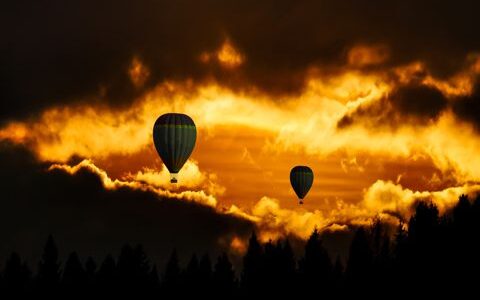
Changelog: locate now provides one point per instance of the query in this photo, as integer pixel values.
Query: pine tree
(288, 267)
(205, 275)
(191, 276)
(273, 272)
(360, 262)
(252, 275)
(425, 245)
(338, 277)
(154, 281)
(171, 279)
(141, 265)
(316, 266)
(90, 269)
(16, 276)
(224, 277)
(74, 276)
(49, 269)
(106, 279)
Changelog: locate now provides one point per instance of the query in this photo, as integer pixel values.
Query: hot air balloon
(174, 136)
(301, 178)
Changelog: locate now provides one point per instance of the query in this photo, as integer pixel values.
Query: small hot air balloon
(174, 136)
(301, 178)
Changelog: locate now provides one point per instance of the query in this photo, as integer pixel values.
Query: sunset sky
(380, 98)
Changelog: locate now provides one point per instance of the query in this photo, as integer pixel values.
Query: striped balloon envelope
(174, 136)
(301, 179)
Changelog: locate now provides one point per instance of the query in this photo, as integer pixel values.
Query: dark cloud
(420, 101)
(62, 51)
(415, 104)
(83, 216)
(468, 108)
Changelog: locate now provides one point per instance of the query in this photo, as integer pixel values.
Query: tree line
(429, 254)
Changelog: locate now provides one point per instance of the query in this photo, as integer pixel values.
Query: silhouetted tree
(141, 266)
(252, 274)
(316, 266)
(205, 275)
(359, 265)
(126, 269)
(133, 269)
(106, 278)
(382, 262)
(49, 269)
(475, 232)
(462, 212)
(338, 277)
(288, 262)
(271, 259)
(425, 246)
(462, 245)
(224, 277)
(90, 269)
(432, 255)
(74, 278)
(16, 276)
(279, 269)
(154, 280)
(171, 279)
(191, 277)
(423, 223)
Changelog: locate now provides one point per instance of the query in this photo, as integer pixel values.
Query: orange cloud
(304, 123)
(227, 56)
(382, 200)
(16, 132)
(248, 141)
(365, 55)
(386, 196)
(138, 72)
(190, 177)
(196, 196)
(459, 84)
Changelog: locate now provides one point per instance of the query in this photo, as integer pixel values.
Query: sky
(380, 98)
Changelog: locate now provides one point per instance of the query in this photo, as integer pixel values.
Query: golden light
(16, 132)
(248, 141)
(138, 72)
(228, 56)
(366, 55)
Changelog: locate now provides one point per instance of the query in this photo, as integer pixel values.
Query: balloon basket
(173, 177)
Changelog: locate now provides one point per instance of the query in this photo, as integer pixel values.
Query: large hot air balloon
(174, 136)
(301, 178)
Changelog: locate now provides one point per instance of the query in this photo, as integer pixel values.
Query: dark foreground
(437, 255)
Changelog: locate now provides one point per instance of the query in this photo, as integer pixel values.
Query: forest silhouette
(430, 254)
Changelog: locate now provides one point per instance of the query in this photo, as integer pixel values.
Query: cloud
(383, 200)
(415, 104)
(307, 123)
(97, 131)
(367, 55)
(388, 197)
(138, 182)
(138, 73)
(90, 213)
(87, 210)
(85, 51)
(467, 108)
(227, 56)
(190, 177)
